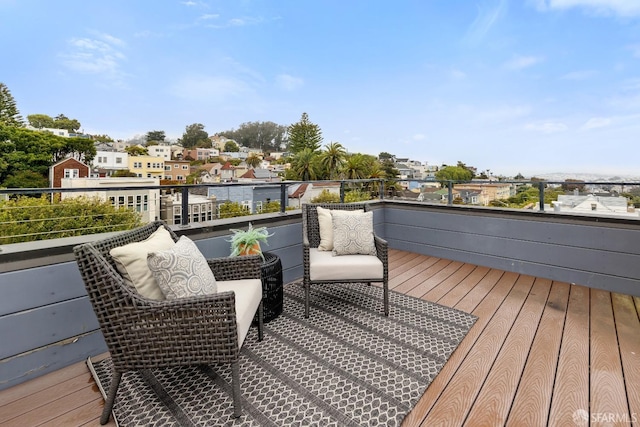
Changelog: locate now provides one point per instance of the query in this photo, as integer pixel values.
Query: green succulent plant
(243, 241)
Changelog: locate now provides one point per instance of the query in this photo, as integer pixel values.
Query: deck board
(539, 351)
(533, 398)
(493, 403)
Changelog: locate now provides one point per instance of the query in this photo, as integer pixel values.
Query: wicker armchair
(143, 333)
(344, 271)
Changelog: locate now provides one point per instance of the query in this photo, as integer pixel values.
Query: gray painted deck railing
(46, 320)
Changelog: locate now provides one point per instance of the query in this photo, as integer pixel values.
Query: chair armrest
(236, 268)
(382, 248)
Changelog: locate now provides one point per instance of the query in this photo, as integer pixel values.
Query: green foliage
(326, 196)
(136, 150)
(304, 135)
(26, 219)
(332, 159)
(267, 136)
(453, 173)
(63, 122)
(270, 207)
(230, 147)
(195, 136)
(155, 135)
(356, 196)
(102, 138)
(40, 121)
(28, 150)
(9, 114)
(242, 241)
(305, 165)
(232, 210)
(253, 160)
(26, 179)
(123, 174)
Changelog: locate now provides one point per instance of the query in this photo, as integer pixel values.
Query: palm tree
(304, 164)
(253, 160)
(333, 158)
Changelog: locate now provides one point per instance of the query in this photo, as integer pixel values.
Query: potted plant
(248, 242)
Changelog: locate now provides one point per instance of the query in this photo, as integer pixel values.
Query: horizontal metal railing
(375, 187)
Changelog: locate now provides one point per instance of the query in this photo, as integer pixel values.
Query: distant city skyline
(531, 86)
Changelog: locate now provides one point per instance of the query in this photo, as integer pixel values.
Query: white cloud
(485, 20)
(596, 122)
(546, 127)
(288, 82)
(626, 8)
(522, 62)
(95, 56)
(458, 74)
(208, 16)
(418, 137)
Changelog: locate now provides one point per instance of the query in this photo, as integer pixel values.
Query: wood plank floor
(541, 353)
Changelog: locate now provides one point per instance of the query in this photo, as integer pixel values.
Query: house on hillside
(177, 170)
(251, 198)
(68, 168)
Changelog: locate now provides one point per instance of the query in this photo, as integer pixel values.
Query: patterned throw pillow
(182, 271)
(325, 224)
(353, 234)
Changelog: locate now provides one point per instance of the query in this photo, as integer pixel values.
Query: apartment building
(147, 166)
(177, 170)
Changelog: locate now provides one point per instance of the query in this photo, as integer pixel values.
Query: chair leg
(306, 299)
(111, 397)
(260, 321)
(385, 291)
(235, 384)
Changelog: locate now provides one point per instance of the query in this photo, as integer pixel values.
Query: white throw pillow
(182, 271)
(131, 262)
(325, 224)
(353, 234)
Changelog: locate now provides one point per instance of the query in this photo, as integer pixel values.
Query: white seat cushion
(248, 296)
(324, 266)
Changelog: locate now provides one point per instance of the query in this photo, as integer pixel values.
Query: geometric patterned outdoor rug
(347, 365)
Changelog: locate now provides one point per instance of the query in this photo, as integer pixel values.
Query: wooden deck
(541, 353)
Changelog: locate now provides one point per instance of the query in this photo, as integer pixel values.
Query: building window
(148, 175)
(259, 206)
(138, 203)
(137, 165)
(145, 203)
(71, 173)
(167, 167)
(176, 166)
(185, 167)
(118, 160)
(148, 165)
(177, 218)
(120, 201)
(179, 178)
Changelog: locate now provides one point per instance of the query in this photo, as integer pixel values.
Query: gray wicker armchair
(143, 333)
(343, 271)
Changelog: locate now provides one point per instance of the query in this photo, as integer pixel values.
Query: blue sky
(530, 86)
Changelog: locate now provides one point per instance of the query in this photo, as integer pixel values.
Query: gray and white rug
(347, 365)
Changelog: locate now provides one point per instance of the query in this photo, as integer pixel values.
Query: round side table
(271, 287)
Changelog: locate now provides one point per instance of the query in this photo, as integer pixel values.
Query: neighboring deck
(540, 353)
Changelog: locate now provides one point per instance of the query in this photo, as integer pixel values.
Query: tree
(253, 160)
(102, 138)
(573, 184)
(26, 179)
(267, 136)
(453, 173)
(136, 150)
(155, 135)
(304, 165)
(194, 136)
(332, 159)
(386, 156)
(31, 218)
(22, 149)
(304, 135)
(230, 147)
(9, 114)
(63, 122)
(40, 121)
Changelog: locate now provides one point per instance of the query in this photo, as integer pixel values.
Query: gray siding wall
(595, 252)
(46, 320)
